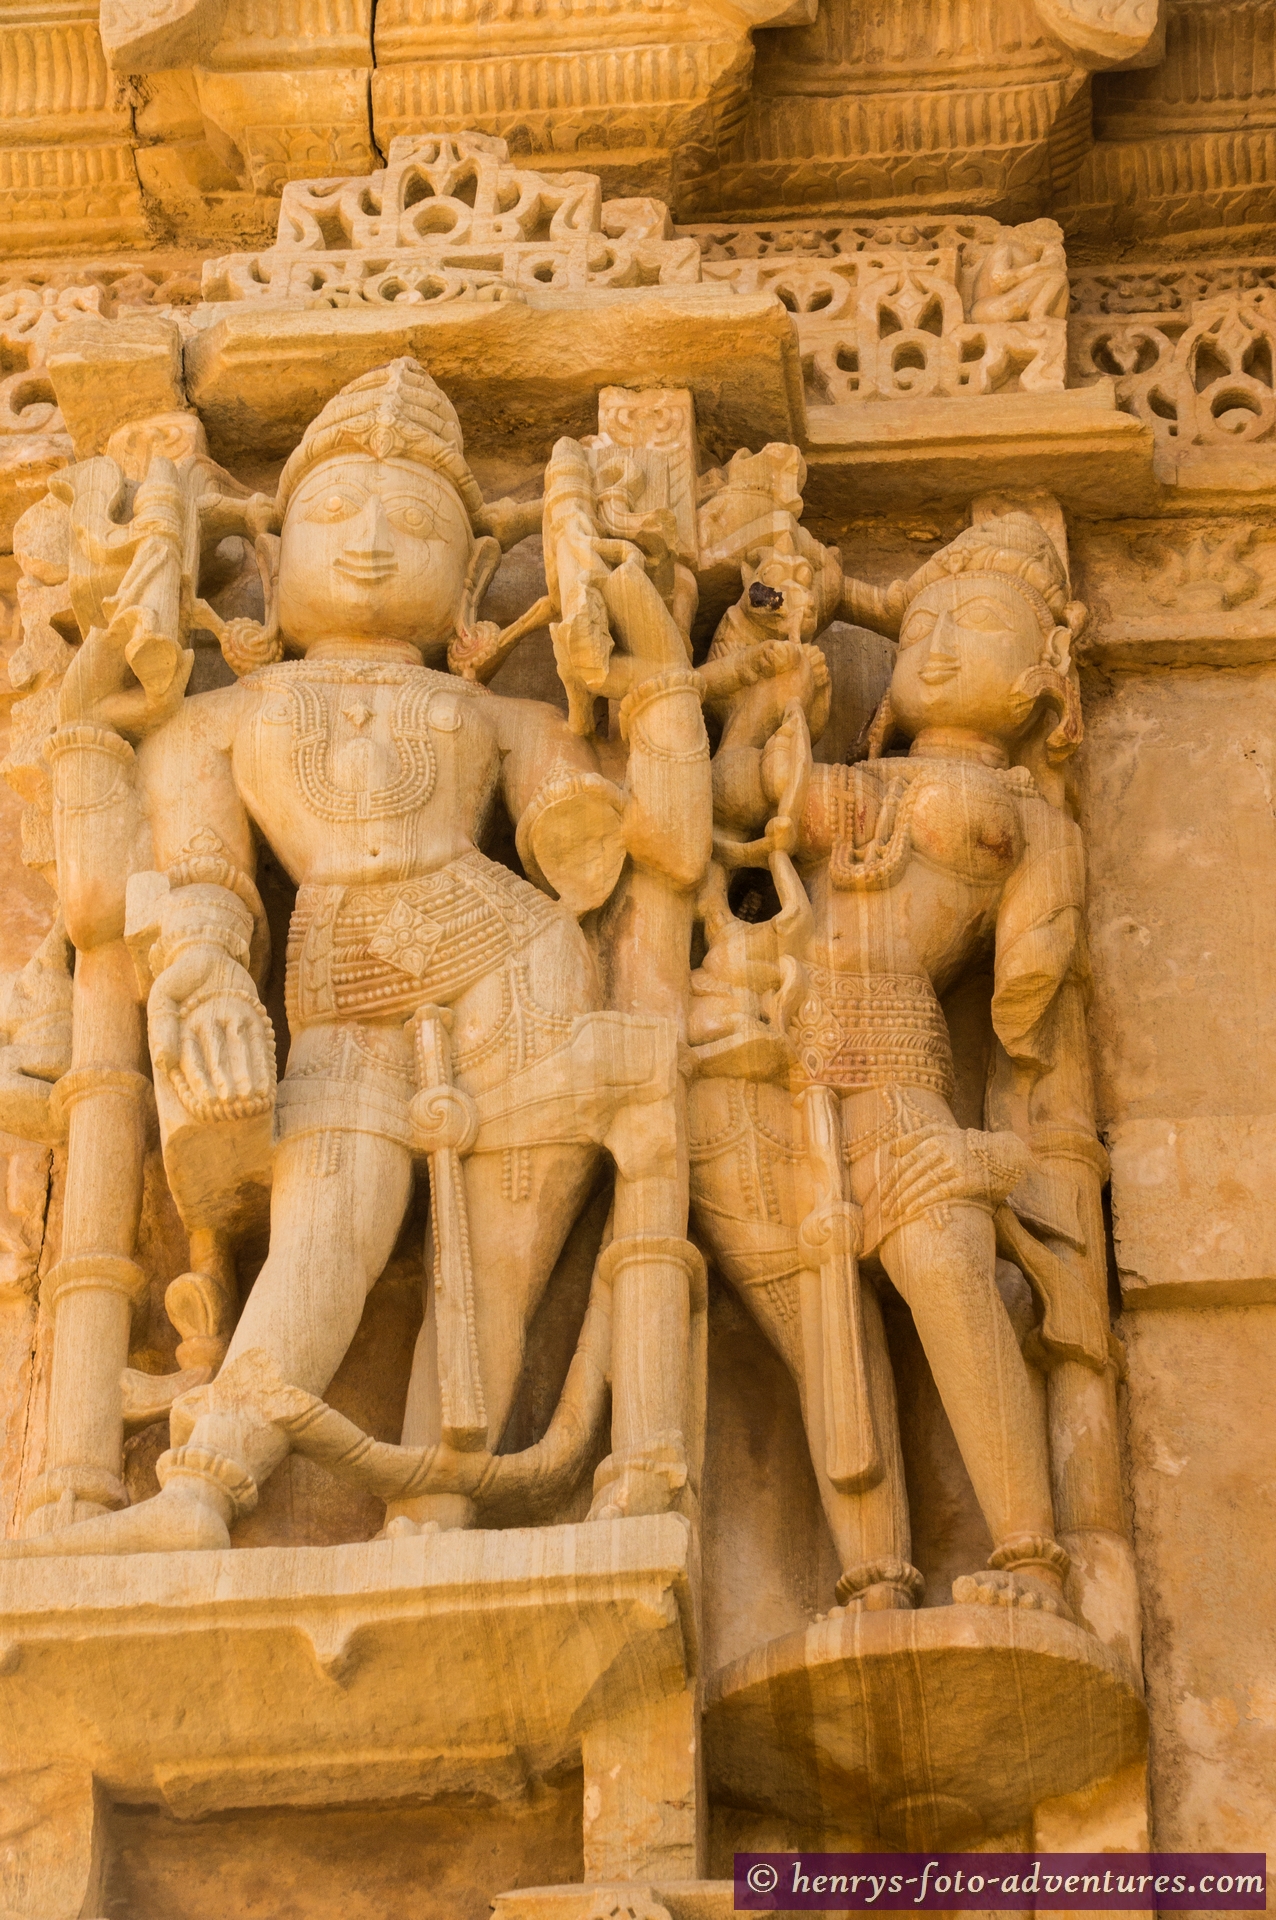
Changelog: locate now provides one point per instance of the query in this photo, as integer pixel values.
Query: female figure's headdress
(1013, 547)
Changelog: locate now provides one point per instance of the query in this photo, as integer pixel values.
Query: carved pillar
(644, 1827)
(96, 1283)
(52, 1852)
(644, 1793)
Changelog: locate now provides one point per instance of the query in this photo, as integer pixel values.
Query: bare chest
(365, 772)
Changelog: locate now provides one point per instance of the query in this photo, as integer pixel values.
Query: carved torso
(921, 850)
(364, 774)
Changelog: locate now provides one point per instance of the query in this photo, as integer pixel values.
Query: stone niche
(636, 999)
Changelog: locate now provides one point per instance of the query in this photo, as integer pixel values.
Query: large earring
(1059, 689)
(249, 644)
(882, 730)
(470, 651)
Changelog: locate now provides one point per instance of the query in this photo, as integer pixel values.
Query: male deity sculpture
(797, 1089)
(841, 1139)
(439, 1005)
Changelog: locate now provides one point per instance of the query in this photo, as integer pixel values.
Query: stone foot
(648, 1484)
(1002, 1587)
(404, 1527)
(879, 1586)
(185, 1517)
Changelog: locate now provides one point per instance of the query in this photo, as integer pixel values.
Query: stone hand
(102, 689)
(782, 755)
(212, 1036)
(933, 1166)
(785, 674)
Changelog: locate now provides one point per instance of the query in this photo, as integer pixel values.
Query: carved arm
(209, 1032)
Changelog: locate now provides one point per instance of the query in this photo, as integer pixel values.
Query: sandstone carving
(634, 1011)
(403, 234)
(851, 1118)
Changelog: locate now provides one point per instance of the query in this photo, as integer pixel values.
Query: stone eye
(334, 503)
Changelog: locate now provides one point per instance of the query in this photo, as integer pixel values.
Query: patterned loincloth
(368, 953)
(858, 1030)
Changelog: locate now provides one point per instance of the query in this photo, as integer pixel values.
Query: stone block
(1191, 1209)
(52, 1853)
(1175, 791)
(108, 373)
(400, 1670)
(519, 372)
(1077, 444)
(1202, 1464)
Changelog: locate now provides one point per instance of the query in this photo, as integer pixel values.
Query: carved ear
(1058, 650)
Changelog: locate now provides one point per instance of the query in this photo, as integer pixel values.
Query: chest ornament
(316, 711)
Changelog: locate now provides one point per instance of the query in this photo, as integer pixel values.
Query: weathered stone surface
(861, 1722)
(636, 1149)
(107, 374)
(1191, 1218)
(1201, 1460)
(348, 1643)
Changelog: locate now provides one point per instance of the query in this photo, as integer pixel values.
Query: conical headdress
(1016, 546)
(394, 413)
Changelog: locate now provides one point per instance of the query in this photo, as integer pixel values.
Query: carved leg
(765, 1167)
(944, 1269)
(52, 1852)
(336, 1207)
(1089, 1510)
(657, 1280)
(870, 1528)
(658, 1284)
(515, 1239)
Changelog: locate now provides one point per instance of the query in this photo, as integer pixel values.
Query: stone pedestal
(405, 1670)
(892, 1719)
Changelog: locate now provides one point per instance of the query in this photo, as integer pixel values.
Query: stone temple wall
(637, 987)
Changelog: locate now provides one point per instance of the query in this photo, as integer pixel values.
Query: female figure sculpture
(918, 870)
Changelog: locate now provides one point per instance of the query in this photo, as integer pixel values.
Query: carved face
(372, 550)
(963, 645)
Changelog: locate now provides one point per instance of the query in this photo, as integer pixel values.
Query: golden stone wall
(635, 1023)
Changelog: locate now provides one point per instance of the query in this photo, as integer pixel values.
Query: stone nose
(943, 640)
(370, 537)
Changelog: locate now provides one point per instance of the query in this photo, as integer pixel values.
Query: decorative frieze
(1198, 363)
(451, 218)
(905, 310)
